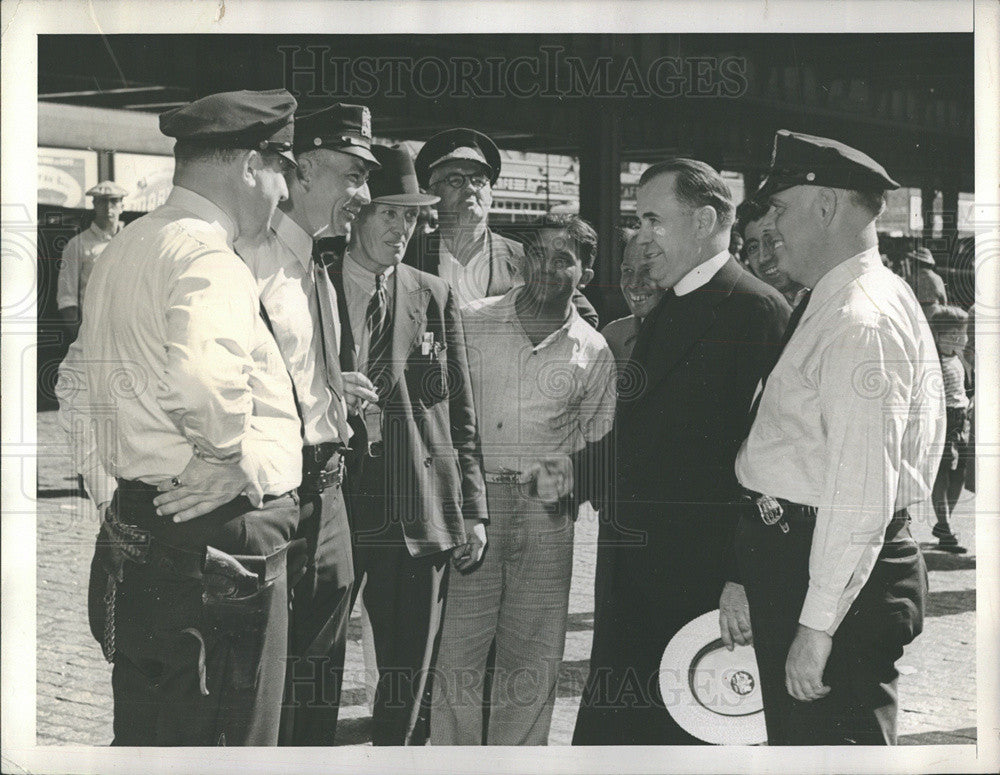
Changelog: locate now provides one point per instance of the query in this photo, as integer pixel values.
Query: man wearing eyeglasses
(461, 166)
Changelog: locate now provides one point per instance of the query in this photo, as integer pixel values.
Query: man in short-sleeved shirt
(85, 248)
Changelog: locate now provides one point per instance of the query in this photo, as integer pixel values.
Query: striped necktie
(378, 324)
(325, 296)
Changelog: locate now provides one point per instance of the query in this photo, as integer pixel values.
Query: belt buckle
(771, 512)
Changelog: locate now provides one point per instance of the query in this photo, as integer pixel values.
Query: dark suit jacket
(682, 415)
(506, 266)
(433, 460)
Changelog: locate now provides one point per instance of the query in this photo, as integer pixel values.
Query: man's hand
(734, 616)
(471, 552)
(358, 391)
(200, 488)
(102, 511)
(553, 476)
(805, 664)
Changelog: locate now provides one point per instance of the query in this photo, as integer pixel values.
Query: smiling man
(326, 192)
(847, 435)
(758, 249)
(641, 295)
(415, 482)
(535, 365)
(700, 353)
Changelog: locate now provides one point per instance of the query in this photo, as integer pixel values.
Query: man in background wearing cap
(83, 250)
(847, 433)
(188, 592)
(926, 282)
(326, 191)
(415, 485)
(461, 166)
(700, 352)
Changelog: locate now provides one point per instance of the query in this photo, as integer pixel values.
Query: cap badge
(366, 123)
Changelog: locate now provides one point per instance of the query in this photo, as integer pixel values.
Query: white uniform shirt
(78, 259)
(852, 422)
(173, 359)
(469, 282)
(282, 265)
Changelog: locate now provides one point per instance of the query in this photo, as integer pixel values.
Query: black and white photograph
(595, 382)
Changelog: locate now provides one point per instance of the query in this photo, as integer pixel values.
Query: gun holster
(237, 593)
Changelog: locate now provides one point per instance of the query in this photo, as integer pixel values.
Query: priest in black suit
(681, 417)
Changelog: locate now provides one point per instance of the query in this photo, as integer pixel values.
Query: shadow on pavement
(966, 736)
(939, 560)
(62, 493)
(950, 602)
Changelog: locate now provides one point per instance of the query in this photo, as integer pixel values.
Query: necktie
(379, 327)
(328, 320)
(793, 323)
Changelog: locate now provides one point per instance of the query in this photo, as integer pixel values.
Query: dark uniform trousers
(404, 596)
(322, 575)
(199, 621)
(887, 614)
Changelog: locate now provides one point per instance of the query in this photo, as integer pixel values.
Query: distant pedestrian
(950, 335)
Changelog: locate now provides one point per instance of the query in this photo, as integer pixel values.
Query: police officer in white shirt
(326, 191)
(176, 388)
(847, 432)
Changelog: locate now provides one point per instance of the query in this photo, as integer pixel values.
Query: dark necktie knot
(327, 249)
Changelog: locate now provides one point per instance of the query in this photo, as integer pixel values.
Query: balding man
(847, 434)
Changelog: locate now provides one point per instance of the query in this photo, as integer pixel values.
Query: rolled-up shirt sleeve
(205, 384)
(865, 380)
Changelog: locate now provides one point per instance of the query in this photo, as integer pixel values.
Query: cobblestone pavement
(936, 692)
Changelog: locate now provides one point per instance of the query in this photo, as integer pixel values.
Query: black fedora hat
(395, 182)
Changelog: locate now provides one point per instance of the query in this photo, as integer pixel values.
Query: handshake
(551, 477)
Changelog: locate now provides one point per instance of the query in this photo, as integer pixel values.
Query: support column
(600, 205)
(927, 196)
(949, 221)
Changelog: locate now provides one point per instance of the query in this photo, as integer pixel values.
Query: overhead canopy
(906, 100)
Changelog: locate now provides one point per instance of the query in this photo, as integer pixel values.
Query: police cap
(261, 120)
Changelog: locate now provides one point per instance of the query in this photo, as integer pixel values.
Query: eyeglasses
(458, 180)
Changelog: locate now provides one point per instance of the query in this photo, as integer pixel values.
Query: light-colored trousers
(519, 595)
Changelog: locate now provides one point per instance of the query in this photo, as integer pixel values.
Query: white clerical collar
(701, 274)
